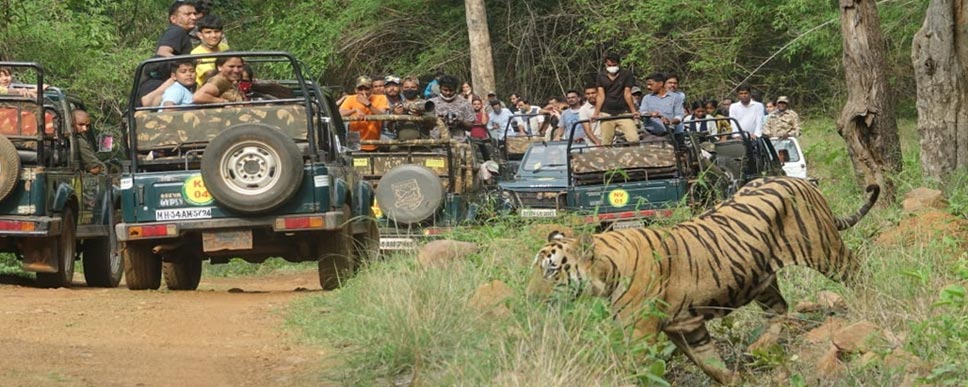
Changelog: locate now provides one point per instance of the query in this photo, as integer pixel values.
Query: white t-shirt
(750, 117)
(585, 112)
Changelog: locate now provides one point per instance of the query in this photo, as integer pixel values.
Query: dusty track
(116, 337)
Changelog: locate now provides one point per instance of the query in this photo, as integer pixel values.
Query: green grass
(238, 267)
(398, 323)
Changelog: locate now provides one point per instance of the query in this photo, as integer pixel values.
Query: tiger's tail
(844, 223)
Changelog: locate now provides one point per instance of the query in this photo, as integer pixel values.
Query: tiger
(705, 267)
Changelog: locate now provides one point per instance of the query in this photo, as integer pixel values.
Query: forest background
(540, 48)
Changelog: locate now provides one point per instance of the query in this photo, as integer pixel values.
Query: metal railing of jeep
(295, 113)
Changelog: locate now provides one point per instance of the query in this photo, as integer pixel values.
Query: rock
(858, 337)
(443, 252)
(899, 358)
(923, 198)
(830, 364)
(807, 307)
(823, 333)
(925, 228)
(770, 337)
(831, 300)
(490, 298)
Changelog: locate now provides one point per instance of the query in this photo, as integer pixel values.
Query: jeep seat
(158, 130)
(643, 162)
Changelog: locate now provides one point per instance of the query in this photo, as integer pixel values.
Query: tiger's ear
(556, 236)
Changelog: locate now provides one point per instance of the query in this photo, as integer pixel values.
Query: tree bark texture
(940, 60)
(867, 122)
(482, 63)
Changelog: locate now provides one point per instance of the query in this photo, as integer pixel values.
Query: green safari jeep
(264, 177)
(51, 209)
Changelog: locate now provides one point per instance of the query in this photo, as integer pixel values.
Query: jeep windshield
(546, 156)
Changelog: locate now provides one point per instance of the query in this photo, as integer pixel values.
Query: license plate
(183, 213)
(538, 212)
(397, 244)
(227, 240)
(626, 224)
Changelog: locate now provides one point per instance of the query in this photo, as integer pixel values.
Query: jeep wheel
(183, 274)
(9, 167)
(409, 193)
(336, 257)
(102, 263)
(142, 268)
(65, 251)
(252, 168)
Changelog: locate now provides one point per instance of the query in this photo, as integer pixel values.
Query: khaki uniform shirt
(782, 124)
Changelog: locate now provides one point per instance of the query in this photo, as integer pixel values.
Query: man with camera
(458, 114)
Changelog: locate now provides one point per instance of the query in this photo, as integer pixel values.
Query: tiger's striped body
(708, 266)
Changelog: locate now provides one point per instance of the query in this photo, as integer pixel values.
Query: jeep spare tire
(409, 193)
(9, 167)
(252, 168)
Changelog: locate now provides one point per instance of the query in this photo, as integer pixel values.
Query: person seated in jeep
(180, 92)
(458, 113)
(89, 161)
(223, 86)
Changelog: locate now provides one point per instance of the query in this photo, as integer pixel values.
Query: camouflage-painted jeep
(265, 177)
(625, 185)
(424, 187)
(52, 210)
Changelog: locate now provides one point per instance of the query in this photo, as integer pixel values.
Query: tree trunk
(482, 64)
(867, 123)
(940, 67)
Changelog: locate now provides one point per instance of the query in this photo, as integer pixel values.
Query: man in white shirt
(586, 111)
(747, 112)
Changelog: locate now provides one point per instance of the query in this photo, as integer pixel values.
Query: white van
(794, 164)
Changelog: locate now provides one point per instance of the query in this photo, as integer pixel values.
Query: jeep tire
(65, 251)
(409, 193)
(182, 274)
(252, 168)
(102, 262)
(9, 167)
(142, 268)
(366, 246)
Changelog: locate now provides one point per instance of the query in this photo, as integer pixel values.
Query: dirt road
(228, 333)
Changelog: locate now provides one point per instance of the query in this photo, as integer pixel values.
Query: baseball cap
(636, 89)
(490, 93)
(391, 79)
(783, 99)
(364, 80)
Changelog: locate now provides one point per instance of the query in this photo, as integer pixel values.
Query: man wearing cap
(394, 103)
(782, 122)
(637, 95)
(364, 103)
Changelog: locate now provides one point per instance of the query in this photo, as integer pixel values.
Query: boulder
(824, 332)
(858, 337)
(443, 252)
(831, 300)
(923, 198)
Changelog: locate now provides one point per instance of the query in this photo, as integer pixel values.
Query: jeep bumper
(332, 220)
(35, 226)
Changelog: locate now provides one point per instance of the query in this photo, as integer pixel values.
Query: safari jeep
(255, 179)
(52, 211)
(424, 187)
(625, 185)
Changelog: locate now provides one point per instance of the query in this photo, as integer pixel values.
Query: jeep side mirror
(105, 143)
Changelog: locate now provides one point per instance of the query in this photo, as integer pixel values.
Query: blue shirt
(177, 93)
(569, 119)
(669, 106)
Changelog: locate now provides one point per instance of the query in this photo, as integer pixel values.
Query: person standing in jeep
(458, 112)
(615, 98)
(174, 41)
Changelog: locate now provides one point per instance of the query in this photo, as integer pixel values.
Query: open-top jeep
(624, 185)
(424, 187)
(51, 208)
(265, 177)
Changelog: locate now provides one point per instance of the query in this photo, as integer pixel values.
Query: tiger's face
(561, 263)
